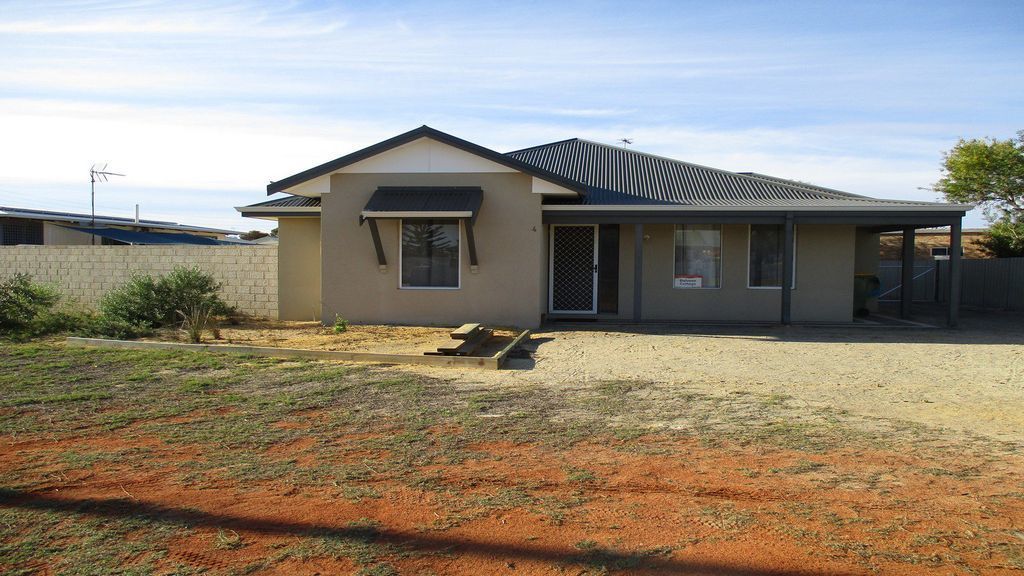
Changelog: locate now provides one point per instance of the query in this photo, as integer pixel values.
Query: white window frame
(401, 287)
(792, 285)
(721, 260)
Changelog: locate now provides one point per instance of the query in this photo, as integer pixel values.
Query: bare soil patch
(316, 336)
(595, 508)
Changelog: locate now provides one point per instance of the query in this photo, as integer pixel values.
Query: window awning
(424, 202)
(411, 202)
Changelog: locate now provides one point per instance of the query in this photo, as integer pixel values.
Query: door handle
(595, 268)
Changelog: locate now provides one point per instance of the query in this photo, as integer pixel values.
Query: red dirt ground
(715, 510)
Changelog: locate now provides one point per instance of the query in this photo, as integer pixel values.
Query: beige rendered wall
(248, 274)
(54, 235)
(866, 252)
(824, 273)
(824, 286)
(298, 269)
(506, 290)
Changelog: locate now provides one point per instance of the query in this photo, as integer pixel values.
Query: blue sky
(202, 103)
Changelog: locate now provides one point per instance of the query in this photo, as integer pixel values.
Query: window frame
(792, 284)
(721, 257)
(458, 286)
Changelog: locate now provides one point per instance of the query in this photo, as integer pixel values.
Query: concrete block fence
(248, 274)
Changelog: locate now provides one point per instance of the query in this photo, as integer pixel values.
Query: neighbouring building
(427, 228)
(28, 226)
(933, 243)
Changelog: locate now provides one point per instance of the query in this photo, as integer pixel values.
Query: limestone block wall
(248, 274)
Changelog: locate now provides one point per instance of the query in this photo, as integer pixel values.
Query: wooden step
(465, 332)
(466, 347)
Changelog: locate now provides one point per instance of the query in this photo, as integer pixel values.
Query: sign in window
(698, 256)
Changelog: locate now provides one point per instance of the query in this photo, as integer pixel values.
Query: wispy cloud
(232, 19)
(212, 99)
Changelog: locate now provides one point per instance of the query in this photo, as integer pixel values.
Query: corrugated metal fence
(995, 283)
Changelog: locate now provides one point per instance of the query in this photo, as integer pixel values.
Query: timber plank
(465, 332)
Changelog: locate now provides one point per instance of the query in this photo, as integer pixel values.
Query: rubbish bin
(866, 288)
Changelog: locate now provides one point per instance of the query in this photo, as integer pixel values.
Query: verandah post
(638, 270)
(954, 272)
(907, 269)
(786, 284)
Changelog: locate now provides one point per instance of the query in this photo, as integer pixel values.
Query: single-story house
(29, 226)
(933, 243)
(427, 228)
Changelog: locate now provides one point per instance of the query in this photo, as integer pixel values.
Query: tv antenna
(625, 141)
(97, 174)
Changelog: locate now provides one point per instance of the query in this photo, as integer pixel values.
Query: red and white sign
(688, 281)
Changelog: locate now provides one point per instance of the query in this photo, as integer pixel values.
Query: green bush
(190, 288)
(340, 324)
(137, 302)
(23, 301)
(29, 310)
(147, 302)
(1005, 238)
(115, 328)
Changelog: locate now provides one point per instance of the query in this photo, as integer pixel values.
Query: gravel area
(970, 380)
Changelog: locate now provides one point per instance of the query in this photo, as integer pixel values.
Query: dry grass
(159, 462)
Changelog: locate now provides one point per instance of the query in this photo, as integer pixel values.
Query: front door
(573, 269)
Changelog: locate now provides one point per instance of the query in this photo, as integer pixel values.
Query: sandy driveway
(970, 380)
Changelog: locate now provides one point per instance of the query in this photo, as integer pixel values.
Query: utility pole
(94, 175)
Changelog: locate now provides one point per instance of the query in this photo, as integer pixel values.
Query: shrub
(1005, 238)
(194, 319)
(115, 328)
(145, 301)
(340, 324)
(23, 301)
(187, 288)
(137, 302)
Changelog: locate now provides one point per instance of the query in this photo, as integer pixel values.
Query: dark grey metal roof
(288, 202)
(618, 176)
(798, 184)
(425, 199)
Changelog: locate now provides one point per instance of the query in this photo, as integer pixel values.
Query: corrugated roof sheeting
(289, 202)
(640, 178)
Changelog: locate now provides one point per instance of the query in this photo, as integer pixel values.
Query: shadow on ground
(423, 543)
(976, 327)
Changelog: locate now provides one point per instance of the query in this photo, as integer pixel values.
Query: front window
(766, 242)
(430, 254)
(698, 261)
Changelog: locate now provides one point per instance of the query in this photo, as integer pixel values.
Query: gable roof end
(422, 132)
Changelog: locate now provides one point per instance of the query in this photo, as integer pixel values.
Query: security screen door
(573, 269)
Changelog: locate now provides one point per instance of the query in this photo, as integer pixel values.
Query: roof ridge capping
(528, 148)
(423, 131)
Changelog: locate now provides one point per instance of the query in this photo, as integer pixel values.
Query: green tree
(1005, 238)
(990, 173)
(253, 235)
